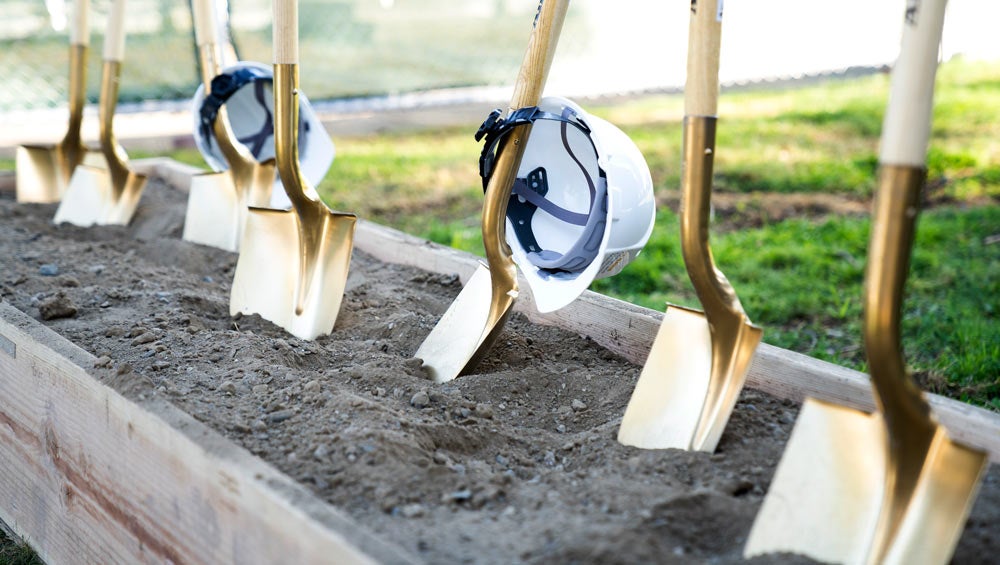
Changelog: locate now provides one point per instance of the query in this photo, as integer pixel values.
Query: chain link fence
(349, 48)
(362, 48)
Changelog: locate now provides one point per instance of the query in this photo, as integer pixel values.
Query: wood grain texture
(87, 476)
(534, 71)
(286, 32)
(701, 89)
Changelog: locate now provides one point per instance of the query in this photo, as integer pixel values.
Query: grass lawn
(15, 553)
(794, 175)
(795, 172)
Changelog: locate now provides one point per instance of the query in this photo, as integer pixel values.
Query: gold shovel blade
(679, 401)
(91, 198)
(216, 213)
(267, 273)
(39, 175)
(44, 171)
(463, 332)
(827, 493)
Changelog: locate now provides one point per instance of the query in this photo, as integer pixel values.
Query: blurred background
(379, 48)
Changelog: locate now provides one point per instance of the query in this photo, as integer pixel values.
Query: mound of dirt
(516, 463)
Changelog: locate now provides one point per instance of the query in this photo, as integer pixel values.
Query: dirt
(515, 463)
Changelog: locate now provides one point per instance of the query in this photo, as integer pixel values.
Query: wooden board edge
(8, 181)
(87, 475)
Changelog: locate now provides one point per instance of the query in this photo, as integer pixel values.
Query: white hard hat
(582, 206)
(247, 93)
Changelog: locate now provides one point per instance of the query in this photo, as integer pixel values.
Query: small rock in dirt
(578, 405)
(228, 387)
(321, 451)
(549, 459)
(561, 428)
(420, 400)
(280, 415)
(260, 389)
(102, 361)
(69, 282)
(258, 426)
(484, 411)
(312, 386)
(143, 339)
(457, 496)
(564, 410)
(59, 306)
(412, 511)
(380, 391)
(48, 270)
(97, 269)
(501, 460)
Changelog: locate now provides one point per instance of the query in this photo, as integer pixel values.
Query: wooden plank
(88, 476)
(8, 181)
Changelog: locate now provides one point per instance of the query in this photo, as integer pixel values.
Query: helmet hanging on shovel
(582, 205)
(246, 91)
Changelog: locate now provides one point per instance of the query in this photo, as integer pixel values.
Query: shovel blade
(459, 334)
(38, 176)
(214, 216)
(826, 495)
(90, 198)
(671, 406)
(267, 272)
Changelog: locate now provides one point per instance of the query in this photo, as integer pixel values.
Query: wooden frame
(87, 475)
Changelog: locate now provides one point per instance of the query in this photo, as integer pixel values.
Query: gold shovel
(293, 263)
(889, 487)
(99, 195)
(217, 202)
(698, 361)
(43, 171)
(472, 323)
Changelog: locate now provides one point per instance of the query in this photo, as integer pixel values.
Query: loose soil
(515, 463)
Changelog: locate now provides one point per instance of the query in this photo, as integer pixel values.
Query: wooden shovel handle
(79, 31)
(701, 92)
(286, 32)
(907, 126)
(205, 24)
(114, 34)
(538, 57)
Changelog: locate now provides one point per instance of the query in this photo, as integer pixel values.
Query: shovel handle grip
(907, 126)
(286, 32)
(203, 14)
(114, 33)
(79, 31)
(701, 91)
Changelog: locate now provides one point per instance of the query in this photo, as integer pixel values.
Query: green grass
(13, 552)
(799, 277)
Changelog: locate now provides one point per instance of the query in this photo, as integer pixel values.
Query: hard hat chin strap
(528, 194)
(223, 87)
